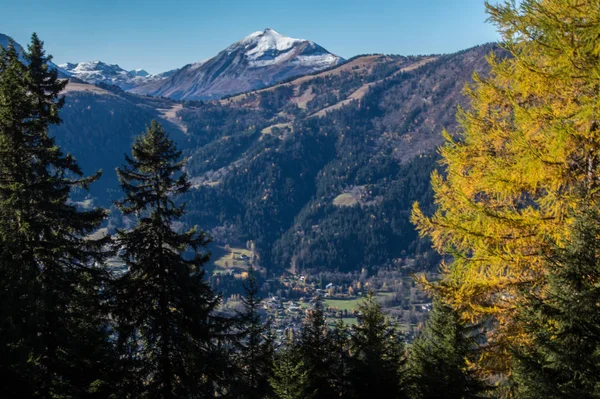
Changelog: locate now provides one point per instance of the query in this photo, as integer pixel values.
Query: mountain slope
(4, 40)
(99, 126)
(318, 172)
(257, 61)
(319, 177)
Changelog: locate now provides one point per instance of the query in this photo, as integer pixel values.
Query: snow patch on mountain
(318, 60)
(267, 41)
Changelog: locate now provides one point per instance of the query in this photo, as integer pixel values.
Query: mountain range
(318, 171)
(95, 72)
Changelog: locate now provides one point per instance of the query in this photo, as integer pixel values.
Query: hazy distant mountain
(259, 60)
(99, 72)
(4, 40)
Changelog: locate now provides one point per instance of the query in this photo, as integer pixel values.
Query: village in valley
(286, 299)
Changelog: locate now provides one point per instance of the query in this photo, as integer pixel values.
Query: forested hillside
(100, 123)
(319, 172)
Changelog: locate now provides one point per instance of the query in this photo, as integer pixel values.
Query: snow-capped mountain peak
(95, 67)
(258, 60)
(269, 47)
(261, 42)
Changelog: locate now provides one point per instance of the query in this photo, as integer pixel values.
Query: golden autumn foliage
(526, 156)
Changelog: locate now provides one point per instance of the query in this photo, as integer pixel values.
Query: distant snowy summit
(269, 47)
(99, 72)
(259, 60)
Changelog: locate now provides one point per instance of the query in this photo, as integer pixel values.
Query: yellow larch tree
(526, 156)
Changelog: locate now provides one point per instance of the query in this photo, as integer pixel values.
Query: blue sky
(159, 35)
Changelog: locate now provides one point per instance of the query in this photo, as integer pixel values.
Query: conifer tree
(69, 279)
(563, 321)
(254, 346)
(44, 84)
(377, 355)
(340, 354)
(45, 249)
(514, 170)
(17, 285)
(168, 333)
(290, 376)
(315, 349)
(440, 359)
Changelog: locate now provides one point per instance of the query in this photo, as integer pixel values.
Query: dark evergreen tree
(45, 249)
(74, 317)
(315, 349)
(340, 344)
(563, 321)
(18, 282)
(168, 333)
(377, 355)
(44, 85)
(439, 360)
(254, 349)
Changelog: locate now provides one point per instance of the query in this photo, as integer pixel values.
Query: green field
(349, 321)
(352, 321)
(343, 304)
(221, 256)
(352, 304)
